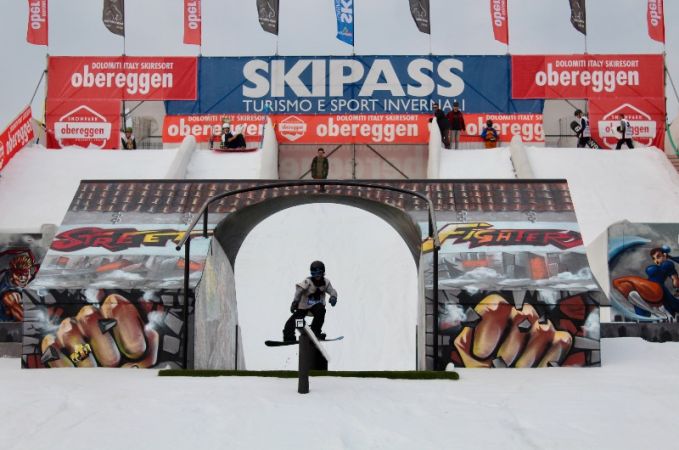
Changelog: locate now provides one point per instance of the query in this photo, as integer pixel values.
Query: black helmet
(317, 269)
(577, 112)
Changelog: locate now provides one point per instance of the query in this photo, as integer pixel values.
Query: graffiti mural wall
(104, 328)
(643, 260)
(519, 329)
(515, 294)
(20, 257)
(110, 292)
(515, 288)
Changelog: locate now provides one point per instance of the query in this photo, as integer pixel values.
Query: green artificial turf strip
(394, 375)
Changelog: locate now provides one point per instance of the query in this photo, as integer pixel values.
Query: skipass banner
(122, 77)
(347, 129)
(353, 85)
(646, 115)
(16, 136)
(83, 123)
(585, 76)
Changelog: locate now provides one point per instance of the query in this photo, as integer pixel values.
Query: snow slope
(608, 186)
(475, 164)
(37, 185)
(366, 261)
(210, 165)
(629, 403)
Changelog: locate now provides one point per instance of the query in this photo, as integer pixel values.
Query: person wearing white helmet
(229, 140)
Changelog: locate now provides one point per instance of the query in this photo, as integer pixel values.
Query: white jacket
(307, 294)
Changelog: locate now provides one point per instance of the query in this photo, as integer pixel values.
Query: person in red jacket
(456, 119)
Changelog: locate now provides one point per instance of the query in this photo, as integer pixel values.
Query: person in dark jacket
(320, 167)
(444, 125)
(457, 126)
(229, 140)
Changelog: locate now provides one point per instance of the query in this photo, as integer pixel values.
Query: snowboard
(575, 126)
(283, 343)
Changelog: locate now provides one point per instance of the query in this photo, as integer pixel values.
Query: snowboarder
(582, 131)
(626, 133)
(310, 299)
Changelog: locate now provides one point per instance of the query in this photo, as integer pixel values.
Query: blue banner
(344, 10)
(353, 84)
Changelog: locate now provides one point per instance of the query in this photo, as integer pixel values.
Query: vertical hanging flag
(192, 22)
(37, 22)
(578, 16)
(344, 9)
(656, 20)
(498, 14)
(268, 15)
(420, 12)
(114, 16)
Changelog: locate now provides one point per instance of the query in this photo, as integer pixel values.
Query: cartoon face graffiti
(21, 270)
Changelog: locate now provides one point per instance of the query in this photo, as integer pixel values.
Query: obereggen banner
(16, 136)
(585, 76)
(347, 128)
(123, 77)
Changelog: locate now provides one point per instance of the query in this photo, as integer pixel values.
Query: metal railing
(204, 211)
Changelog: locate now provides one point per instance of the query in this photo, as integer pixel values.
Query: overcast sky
(308, 27)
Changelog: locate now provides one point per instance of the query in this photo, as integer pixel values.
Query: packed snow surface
(476, 164)
(37, 185)
(629, 403)
(366, 261)
(608, 186)
(211, 165)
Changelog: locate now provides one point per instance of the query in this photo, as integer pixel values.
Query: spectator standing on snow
(625, 130)
(490, 135)
(320, 167)
(457, 126)
(128, 141)
(444, 125)
(583, 131)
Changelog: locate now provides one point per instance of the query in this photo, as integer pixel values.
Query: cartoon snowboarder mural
(651, 295)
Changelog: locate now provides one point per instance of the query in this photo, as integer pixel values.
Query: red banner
(83, 123)
(655, 17)
(206, 126)
(16, 136)
(123, 77)
(348, 129)
(498, 14)
(37, 22)
(585, 76)
(192, 22)
(646, 115)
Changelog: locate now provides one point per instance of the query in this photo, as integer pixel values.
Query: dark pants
(321, 187)
(627, 141)
(238, 142)
(318, 311)
(583, 142)
(445, 137)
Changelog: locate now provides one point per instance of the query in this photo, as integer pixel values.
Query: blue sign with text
(353, 84)
(344, 10)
